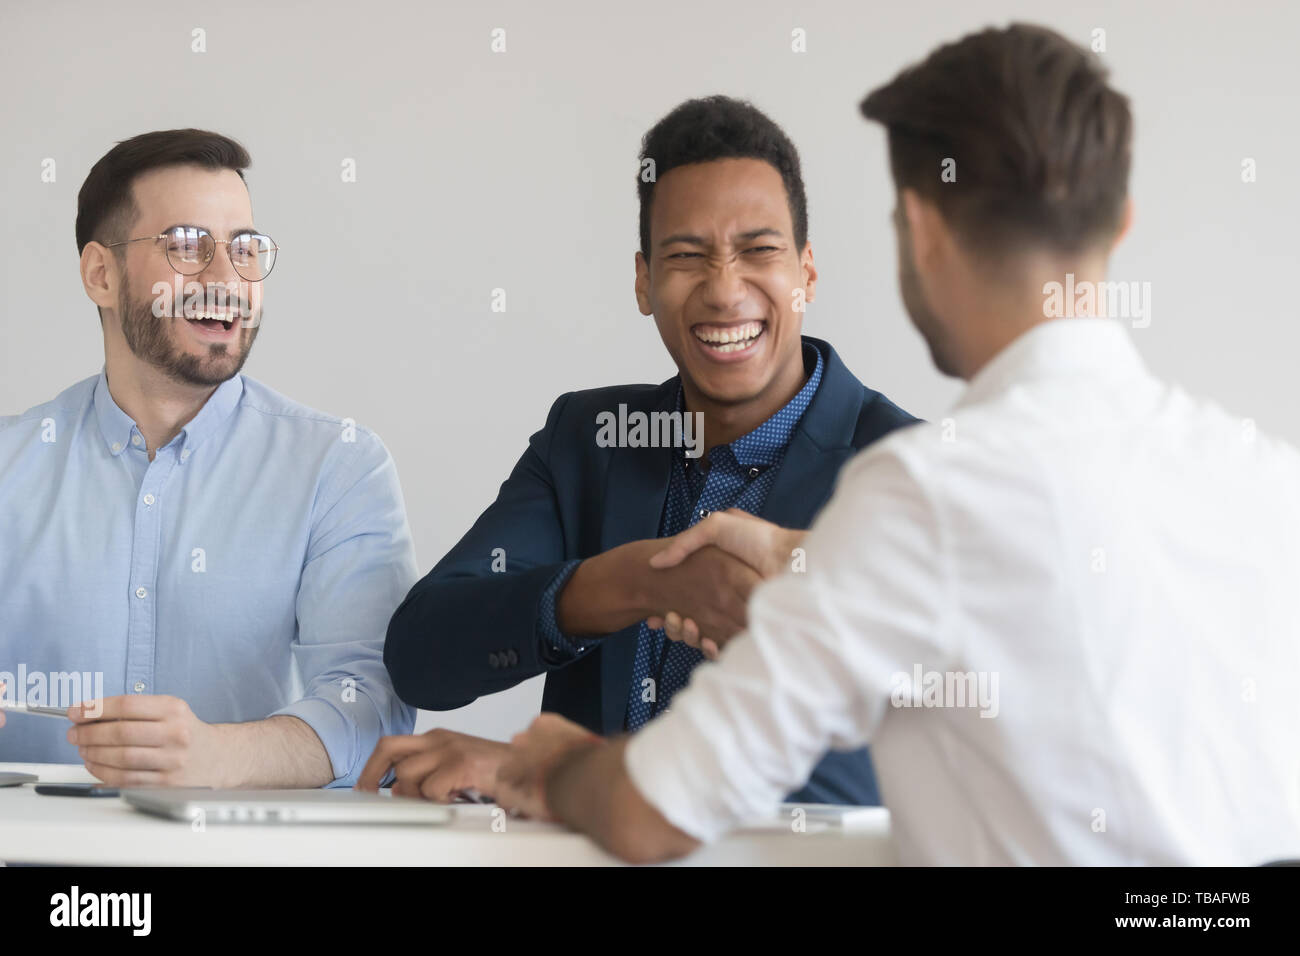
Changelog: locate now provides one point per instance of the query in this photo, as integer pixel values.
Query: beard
(923, 317)
(151, 339)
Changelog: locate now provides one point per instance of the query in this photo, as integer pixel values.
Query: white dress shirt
(1106, 567)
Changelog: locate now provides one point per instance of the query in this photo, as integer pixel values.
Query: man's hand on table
(147, 741)
(521, 781)
(435, 765)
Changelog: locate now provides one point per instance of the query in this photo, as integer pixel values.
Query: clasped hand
(708, 573)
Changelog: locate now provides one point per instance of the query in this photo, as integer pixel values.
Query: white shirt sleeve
(814, 669)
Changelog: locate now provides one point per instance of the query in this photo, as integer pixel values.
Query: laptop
(286, 806)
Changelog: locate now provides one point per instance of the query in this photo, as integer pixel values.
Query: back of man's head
(1035, 144)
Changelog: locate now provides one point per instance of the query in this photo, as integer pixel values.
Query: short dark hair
(720, 127)
(105, 207)
(1042, 144)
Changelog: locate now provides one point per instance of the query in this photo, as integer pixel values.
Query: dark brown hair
(1041, 143)
(105, 207)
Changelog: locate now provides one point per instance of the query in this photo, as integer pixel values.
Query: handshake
(733, 547)
(695, 585)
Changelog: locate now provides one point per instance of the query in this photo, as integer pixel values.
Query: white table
(94, 831)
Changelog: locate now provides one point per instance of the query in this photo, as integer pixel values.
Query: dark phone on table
(76, 790)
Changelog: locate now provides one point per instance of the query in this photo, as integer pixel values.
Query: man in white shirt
(1064, 617)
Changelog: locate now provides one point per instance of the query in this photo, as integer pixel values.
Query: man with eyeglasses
(204, 568)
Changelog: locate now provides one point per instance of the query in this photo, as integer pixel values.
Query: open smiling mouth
(727, 339)
(213, 321)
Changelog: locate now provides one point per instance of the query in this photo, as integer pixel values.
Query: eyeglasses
(190, 250)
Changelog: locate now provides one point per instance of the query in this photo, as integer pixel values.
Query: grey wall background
(479, 170)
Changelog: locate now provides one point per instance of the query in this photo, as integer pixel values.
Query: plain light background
(479, 170)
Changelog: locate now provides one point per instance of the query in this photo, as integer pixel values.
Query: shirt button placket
(143, 617)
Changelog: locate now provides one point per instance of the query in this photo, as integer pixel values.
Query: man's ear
(643, 285)
(809, 273)
(923, 226)
(1125, 223)
(99, 275)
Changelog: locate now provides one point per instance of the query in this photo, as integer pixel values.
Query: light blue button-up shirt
(249, 569)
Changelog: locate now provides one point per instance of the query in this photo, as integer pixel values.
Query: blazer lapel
(635, 491)
(804, 482)
(822, 442)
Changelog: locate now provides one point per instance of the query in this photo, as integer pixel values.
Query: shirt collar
(766, 444)
(116, 426)
(1058, 348)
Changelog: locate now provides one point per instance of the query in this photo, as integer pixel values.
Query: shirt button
(704, 512)
(185, 454)
(141, 593)
(753, 472)
(148, 499)
(117, 446)
(135, 440)
(138, 687)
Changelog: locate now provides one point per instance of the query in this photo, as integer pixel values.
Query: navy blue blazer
(466, 630)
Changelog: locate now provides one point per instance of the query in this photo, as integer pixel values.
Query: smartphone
(76, 790)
